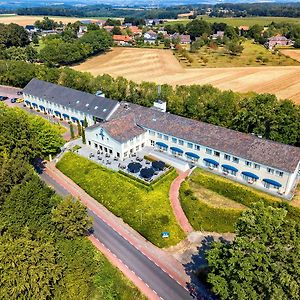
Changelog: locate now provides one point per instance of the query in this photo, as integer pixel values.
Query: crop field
(293, 53)
(248, 21)
(28, 20)
(161, 66)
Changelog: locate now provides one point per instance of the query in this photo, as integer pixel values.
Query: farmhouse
(278, 40)
(123, 129)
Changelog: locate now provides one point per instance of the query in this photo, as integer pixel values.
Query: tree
(234, 48)
(116, 30)
(197, 28)
(70, 217)
(263, 260)
(79, 129)
(83, 136)
(72, 131)
(29, 267)
(297, 43)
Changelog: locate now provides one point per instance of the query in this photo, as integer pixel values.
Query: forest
(260, 114)
(44, 252)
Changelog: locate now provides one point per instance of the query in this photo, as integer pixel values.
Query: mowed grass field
(248, 21)
(161, 66)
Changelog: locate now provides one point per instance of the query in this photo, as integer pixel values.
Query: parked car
(2, 98)
(13, 100)
(20, 100)
(19, 93)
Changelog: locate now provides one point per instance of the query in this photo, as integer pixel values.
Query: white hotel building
(123, 129)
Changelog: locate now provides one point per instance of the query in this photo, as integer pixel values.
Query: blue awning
(175, 149)
(249, 174)
(161, 144)
(272, 182)
(193, 155)
(42, 107)
(211, 161)
(66, 116)
(27, 102)
(57, 112)
(34, 104)
(82, 122)
(74, 119)
(231, 168)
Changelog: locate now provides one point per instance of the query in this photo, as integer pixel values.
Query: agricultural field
(293, 53)
(28, 20)
(253, 55)
(161, 66)
(147, 211)
(248, 21)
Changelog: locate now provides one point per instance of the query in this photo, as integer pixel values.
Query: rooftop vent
(126, 105)
(87, 104)
(100, 94)
(96, 107)
(77, 101)
(104, 109)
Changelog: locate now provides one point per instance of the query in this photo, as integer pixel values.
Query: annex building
(123, 129)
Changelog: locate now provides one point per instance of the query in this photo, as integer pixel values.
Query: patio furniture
(98, 152)
(148, 162)
(91, 155)
(158, 165)
(147, 173)
(99, 157)
(134, 167)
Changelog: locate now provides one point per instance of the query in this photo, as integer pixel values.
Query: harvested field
(161, 66)
(293, 53)
(28, 20)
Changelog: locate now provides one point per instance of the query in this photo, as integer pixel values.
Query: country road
(165, 287)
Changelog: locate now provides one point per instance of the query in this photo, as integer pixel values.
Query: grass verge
(147, 211)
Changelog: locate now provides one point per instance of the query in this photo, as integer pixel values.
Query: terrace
(135, 166)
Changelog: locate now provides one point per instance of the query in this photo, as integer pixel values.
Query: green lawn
(248, 21)
(252, 55)
(207, 200)
(110, 283)
(147, 211)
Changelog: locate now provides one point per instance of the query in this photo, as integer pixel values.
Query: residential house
(218, 35)
(243, 29)
(278, 40)
(150, 37)
(153, 22)
(183, 38)
(122, 40)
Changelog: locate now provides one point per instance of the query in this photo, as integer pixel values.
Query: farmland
(27, 20)
(247, 21)
(161, 66)
(293, 53)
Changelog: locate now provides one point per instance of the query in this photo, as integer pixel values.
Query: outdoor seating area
(136, 165)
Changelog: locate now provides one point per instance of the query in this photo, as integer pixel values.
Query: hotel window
(152, 132)
(235, 160)
(181, 142)
(166, 138)
(197, 147)
(125, 154)
(174, 140)
(137, 148)
(152, 142)
(190, 145)
(143, 145)
(159, 135)
(118, 154)
(248, 163)
(279, 173)
(227, 157)
(271, 171)
(217, 153)
(208, 151)
(256, 166)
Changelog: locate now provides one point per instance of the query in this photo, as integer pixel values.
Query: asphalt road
(158, 280)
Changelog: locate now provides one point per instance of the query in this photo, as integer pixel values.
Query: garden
(214, 203)
(146, 210)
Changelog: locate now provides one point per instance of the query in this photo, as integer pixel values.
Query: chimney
(160, 105)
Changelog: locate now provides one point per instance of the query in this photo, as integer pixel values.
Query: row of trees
(260, 114)
(13, 35)
(43, 254)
